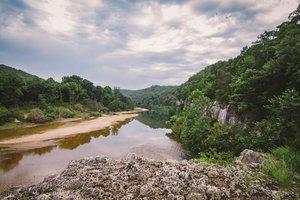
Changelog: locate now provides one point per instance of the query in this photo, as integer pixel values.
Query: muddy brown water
(140, 135)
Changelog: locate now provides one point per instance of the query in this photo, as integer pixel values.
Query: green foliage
(93, 105)
(95, 114)
(278, 170)
(222, 158)
(162, 112)
(289, 156)
(16, 113)
(160, 100)
(65, 113)
(36, 116)
(194, 122)
(19, 89)
(11, 88)
(4, 115)
(78, 107)
(261, 85)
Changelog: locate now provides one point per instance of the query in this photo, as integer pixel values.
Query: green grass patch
(221, 158)
(282, 164)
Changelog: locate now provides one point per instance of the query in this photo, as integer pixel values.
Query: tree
(11, 88)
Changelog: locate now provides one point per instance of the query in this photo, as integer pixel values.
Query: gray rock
(251, 158)
(138, 178)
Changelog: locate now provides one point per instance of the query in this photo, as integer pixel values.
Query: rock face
(139, 178)
(224, 114)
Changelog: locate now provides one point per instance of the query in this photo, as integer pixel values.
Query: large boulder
(251, 158)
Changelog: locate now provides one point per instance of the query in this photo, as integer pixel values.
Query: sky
(131, 43)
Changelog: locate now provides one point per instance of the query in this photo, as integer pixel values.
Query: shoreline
(73, 129)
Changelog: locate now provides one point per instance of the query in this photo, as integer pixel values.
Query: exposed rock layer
(138, 178)
(224, 114)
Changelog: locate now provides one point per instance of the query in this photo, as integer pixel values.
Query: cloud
(130, 43)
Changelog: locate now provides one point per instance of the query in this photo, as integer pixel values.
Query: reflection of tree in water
(115, 128)
(41, 151)
(151, 120)
(11, 158)
(77, 140)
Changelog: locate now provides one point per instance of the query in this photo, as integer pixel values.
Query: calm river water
(140, 135)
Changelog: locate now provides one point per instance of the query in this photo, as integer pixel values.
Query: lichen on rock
(139, 178)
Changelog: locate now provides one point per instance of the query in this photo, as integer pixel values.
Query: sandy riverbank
(73, 129)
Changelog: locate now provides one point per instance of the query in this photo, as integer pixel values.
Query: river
(140, 135)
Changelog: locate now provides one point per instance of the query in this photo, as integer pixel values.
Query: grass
(221, 158)
(248, 179)
(282, 165)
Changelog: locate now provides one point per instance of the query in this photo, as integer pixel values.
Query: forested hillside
(160, 100)
(23, 94)
(261, 86)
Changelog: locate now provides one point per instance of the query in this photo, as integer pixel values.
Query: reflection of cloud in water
(43, 159)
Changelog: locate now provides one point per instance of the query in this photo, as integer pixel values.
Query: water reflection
(10, 157)
(151, 120)
(142, 135)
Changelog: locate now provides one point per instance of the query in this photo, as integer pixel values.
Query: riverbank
(73, 129)
(138, 178)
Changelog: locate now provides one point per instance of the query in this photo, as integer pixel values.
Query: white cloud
(131, 44)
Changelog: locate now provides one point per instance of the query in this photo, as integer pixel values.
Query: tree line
(21, 90)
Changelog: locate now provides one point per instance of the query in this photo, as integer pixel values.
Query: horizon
(129, 44)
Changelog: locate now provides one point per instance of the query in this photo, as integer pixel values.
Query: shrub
(95, 114)
(93, 105)
(278, 170)
(289, 156)
(281, 127)
(15, 113)
(4, 115)
(65, 113)
(223, 158)
(36, 116)
(282, 165)
(51, 113)
(78, 107)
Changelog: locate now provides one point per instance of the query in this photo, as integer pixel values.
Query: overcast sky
(131, 43)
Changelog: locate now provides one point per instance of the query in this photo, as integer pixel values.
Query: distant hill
(24, 75)
(154, 89)
(153, 96)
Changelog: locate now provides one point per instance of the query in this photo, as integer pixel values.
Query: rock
(224, 114)
(251, 158)
(196, 196)
(138, 178)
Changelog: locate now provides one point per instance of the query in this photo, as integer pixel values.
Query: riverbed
(29, 163)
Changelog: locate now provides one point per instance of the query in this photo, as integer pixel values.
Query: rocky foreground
(139, 178)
